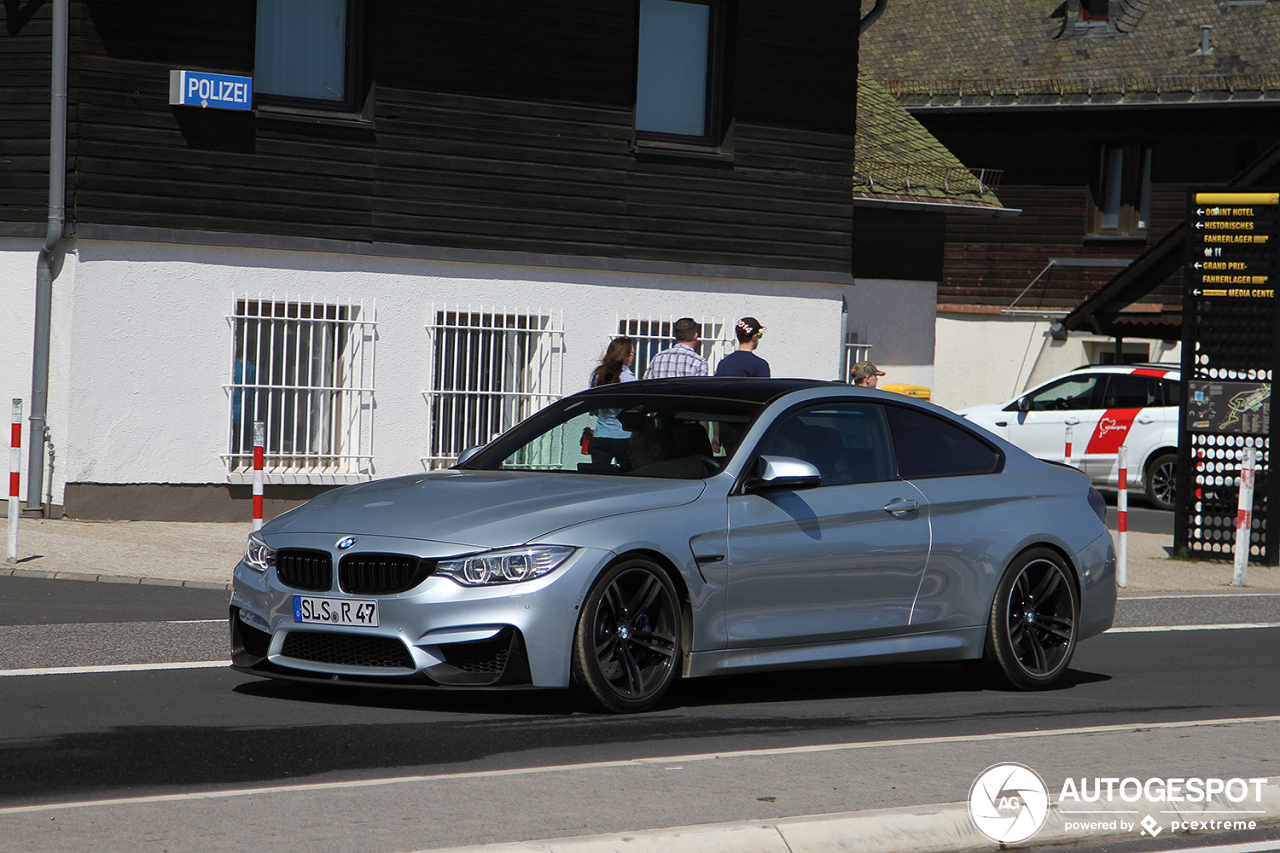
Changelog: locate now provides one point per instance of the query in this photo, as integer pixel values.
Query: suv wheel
(1161, 477)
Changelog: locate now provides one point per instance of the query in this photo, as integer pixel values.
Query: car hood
(480, 509)
(989, 412)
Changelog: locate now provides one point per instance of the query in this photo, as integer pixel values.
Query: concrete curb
(7, 570)
(941, 828)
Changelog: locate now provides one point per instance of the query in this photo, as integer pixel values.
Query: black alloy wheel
(1161, 480)
(626, 649)
(1034, 622)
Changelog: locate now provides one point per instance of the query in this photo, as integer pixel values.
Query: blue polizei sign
(219, 91)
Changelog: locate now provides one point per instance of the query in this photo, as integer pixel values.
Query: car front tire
(1161, 480)
(626, 649)
(1032, 632)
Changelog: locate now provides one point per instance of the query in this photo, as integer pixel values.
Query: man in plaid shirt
(681, 359)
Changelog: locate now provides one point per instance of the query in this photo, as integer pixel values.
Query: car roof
(1129, 368)
(727, 387)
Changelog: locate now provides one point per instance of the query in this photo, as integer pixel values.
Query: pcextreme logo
(1008, 803)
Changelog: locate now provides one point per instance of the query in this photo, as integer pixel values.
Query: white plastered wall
(984, 359)
(18, 258)
(142, 343)
(897, 319)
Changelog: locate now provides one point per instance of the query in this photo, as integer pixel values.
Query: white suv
(1106, 407)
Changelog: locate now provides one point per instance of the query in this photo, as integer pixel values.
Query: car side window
(847, 442)
(1069, 394)
(1171, 392)
(1130, 391)
(927, 446)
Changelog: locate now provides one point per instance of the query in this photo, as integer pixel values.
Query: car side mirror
(1024, 404)
(783, 472)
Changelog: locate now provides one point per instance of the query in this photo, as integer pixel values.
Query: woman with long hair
(610, 441)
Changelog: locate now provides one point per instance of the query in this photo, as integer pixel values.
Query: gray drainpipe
(48, 255)
(872, 16)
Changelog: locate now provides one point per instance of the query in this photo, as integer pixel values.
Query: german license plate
(335, 611)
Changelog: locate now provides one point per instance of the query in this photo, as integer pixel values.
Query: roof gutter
(872, 16)
(937, 207)
(46, 266)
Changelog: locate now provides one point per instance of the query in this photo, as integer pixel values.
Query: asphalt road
(121, 733)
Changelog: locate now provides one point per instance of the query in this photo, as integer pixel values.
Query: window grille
(854, 352)
(490, 370)
(652, 336)
(304, 369)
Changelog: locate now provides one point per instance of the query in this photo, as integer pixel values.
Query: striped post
(1122, 520)
(15, 472)
(1068, 451)
(1244, 516)
(259, 438)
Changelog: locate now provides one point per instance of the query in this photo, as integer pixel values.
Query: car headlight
(510, 565)
(257, 555)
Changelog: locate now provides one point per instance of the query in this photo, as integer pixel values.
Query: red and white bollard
(1067, 454)
(1122, 520)
(259, 438)
(1244, 515)
(15, 474)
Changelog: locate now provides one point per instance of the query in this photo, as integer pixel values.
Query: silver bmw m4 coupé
(744, 525)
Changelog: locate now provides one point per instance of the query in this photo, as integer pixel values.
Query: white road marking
(1201, 595)
(632, 762)
(127, 667)
(1229, 626)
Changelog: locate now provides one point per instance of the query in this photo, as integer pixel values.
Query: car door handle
(1146, 419)
(901, 506)
(1072, 421)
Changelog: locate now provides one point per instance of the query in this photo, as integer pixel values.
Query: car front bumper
(438, 634)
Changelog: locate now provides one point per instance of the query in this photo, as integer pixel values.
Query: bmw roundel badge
(345, 543)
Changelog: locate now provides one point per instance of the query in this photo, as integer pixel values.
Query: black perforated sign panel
(1229, 350)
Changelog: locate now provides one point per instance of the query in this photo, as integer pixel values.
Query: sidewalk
(205, 553)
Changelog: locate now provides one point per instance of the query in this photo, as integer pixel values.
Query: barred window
(305, 370)
(652, 336)
(491, 369)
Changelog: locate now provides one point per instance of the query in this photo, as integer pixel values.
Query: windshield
(629, 435)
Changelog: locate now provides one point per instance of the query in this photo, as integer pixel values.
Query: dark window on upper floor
(1094, 11)
(1120, 192)
(307, 54)
(679, 71)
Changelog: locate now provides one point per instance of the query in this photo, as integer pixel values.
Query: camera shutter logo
(1008, 803)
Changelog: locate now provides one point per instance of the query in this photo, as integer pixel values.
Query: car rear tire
(1161, 479)
(627, 646)
(1032, 632)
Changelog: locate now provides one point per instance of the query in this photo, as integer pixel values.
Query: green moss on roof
(895, 158)
(989, 52)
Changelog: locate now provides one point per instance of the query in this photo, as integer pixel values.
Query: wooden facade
(1049, 163)
(483, 125)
